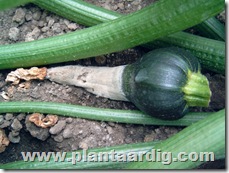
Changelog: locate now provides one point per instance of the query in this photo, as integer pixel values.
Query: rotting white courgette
(163, 83)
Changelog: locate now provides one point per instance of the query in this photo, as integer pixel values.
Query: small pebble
(9, 116)
(50, 22)
(66, 22)
(58, 127)
(36, 32)
(16, 125)
(101, 60)
(69, 120)
(13, 139)
(56, 28)
(103, 124)
(37, 15)
(110, 130)
(72, 26)
(14, 133)
(21, 116)
(128, 140)
(34, 24)
(29, 37)
(111, 124)
(24, 29)
(150, 137)
(41, 23)
(14, 33)
(28, 16)
(19, 16)
(120, 6)
(5, 124)
(67, 133)
(45, 29)
(58, 138)
(33, 35)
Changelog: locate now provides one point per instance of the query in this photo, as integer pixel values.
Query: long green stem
(108, 161)
(160, 19)
(212, 28)
(207, 135)
(211, 53)
(114, 115)
(79, 11)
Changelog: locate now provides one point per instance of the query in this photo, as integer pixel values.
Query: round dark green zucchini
(165, 82)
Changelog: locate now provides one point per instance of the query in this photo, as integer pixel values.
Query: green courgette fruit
(165, 82)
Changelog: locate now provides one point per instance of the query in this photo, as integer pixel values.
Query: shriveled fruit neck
(101, 81)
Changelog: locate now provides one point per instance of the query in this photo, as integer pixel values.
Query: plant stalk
(207, 135)
(112, 115)
(211, 53)
(116, 35)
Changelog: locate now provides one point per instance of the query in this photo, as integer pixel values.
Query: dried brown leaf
(43, 122)
(26, 74)
(4, 141)
(50, 120)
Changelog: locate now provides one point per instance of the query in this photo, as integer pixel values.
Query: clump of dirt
(29, 22)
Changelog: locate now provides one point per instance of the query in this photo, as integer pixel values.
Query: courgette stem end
(197, 91)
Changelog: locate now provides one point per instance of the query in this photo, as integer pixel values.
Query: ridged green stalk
(212, 28)
(211, 53)
(207, 135)
(160, 19)
(69, 163)
(79, 11)
(112, 115)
